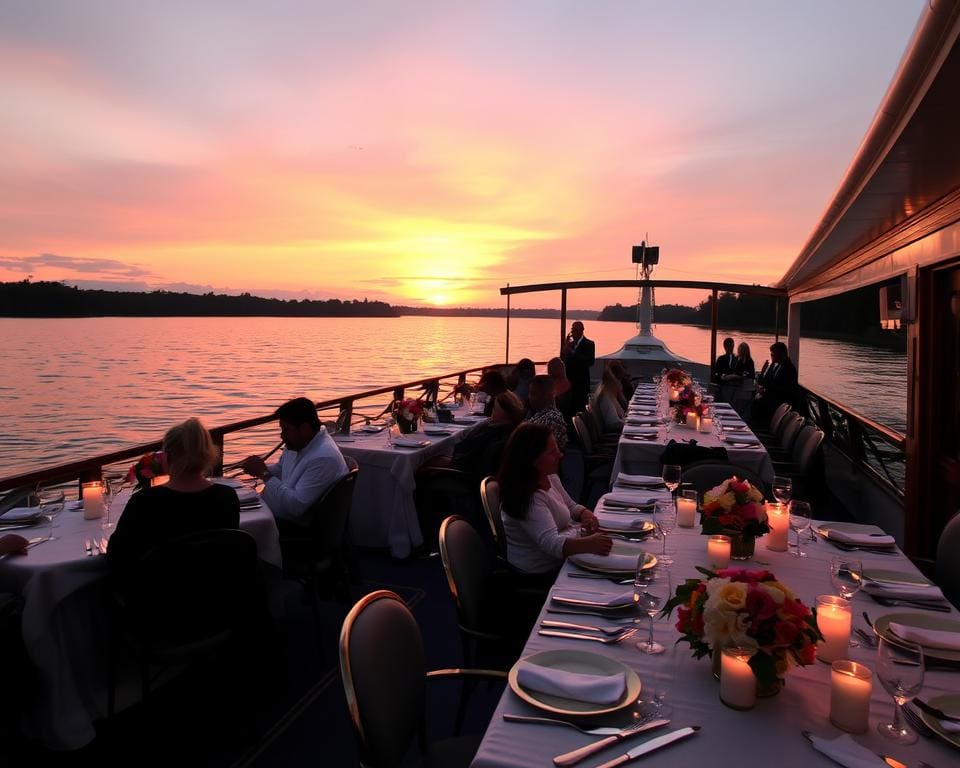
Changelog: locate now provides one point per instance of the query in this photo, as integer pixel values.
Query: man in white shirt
(310, 463)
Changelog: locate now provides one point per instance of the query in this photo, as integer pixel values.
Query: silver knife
(575, 756)
(650, 746)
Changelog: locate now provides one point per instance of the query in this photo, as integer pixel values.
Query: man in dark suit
(578, 355)
(726, 363)
(776, 384)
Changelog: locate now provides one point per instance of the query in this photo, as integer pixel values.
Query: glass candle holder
(834, 618)
(92, 495)
(778, 518)
(850, 687)
(718, 551)
(687, 509)
(738, 686)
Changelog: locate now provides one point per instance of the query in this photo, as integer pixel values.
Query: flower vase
(741, 547)
(407, 426)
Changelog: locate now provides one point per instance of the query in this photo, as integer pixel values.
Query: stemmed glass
(900, 670)
(107, 497)
(389, 421)
(665, 516)
(50, 501)
(799, 522)
(651, 591)
(782, 489)
(671, 478)
(846, 575)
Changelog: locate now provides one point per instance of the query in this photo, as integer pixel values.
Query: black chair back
(330, 514)
(490, 497)
(383, 670)
(468, 570)
(704, 475)
(789, 430)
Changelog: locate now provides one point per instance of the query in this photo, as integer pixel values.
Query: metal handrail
(91, 468)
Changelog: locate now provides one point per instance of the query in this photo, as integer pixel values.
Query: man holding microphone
(578, 355)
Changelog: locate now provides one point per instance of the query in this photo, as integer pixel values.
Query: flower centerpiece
(150, 466)
(461, 392)
(735, 508)
(688, 401)
(677, 379)
(751, 610)
(407, 413)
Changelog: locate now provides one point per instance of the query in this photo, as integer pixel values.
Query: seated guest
(310, 463)
(562, 389)
(776, 384)
(743, 367)
(541, 522)
(543, 409)
(188, 503)
(626, 385)
(491, 384)
(610, 413)
(520, 378)
(725, 363)
(479, 452)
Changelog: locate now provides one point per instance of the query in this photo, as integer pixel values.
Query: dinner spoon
(570, 625)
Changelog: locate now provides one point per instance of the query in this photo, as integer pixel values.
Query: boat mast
(645, 258)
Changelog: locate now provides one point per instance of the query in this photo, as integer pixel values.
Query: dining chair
(782, 445)
(490, 499)
(766, 431)
(597, 466)
(183, 600)
(701, 476)
(444, 491)
(384, 677)
(948, 565)
(318, 555)
(805, 464)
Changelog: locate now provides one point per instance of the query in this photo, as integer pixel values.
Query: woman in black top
(189, 503)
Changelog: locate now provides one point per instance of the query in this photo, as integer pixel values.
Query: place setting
(856, 536)
(899, 588)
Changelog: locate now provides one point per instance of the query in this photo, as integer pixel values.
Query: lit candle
(706, 424)
(779, 521)
(692, 419)
(834, 620)
(674, 394)
(718, 551)
(92, 495)
(738, 686)
(686, 512)
(850, 687)
(159, 480)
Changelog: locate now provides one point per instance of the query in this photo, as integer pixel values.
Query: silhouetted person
(578, 355)
(776, 384)
(725, 363)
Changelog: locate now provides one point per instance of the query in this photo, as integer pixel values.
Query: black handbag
(686, 453)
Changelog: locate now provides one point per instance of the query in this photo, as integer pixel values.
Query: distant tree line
(54, 299)
(853, 316)
(581, 314)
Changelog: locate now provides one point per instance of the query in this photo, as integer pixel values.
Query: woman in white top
(610, 413)
(539, 515)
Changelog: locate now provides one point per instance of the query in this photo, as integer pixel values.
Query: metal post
(714, 314)
(793, 333)
(506, 358)
(563, 317)
(776, 319)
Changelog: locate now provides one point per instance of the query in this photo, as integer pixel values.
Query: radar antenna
(646, 257)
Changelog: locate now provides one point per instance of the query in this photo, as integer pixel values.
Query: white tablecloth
(383, 513)
(64, 619)
(768, 735)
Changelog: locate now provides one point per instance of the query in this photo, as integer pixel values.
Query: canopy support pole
(506, 359)
(714, 315)
(563, 318)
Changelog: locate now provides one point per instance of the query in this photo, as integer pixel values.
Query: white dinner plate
(622, 560)
(921, 621)
(950, 704)
(584, 663)
(437, 432)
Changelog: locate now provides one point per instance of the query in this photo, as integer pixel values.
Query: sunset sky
(427, 152)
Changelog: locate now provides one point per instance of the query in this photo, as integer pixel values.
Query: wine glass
(900, 670)
(389, 421)
(846, 575)
(50, 501)
(108, 496)
(665, 516)
(799, 522)
(782, 489)
(651, 591)
(671, 476)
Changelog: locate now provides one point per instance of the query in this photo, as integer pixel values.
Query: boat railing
(344, 412)
(877, 450)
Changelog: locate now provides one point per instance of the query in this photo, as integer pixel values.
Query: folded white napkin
(845, 751)
(627, 498)
(865, 538)
(247, 495)
(20, 514)
(607, 562)
(627, 479)
(620, 522)
(930, 638)
(949, 725)
(596, 689)
(907, 591)
(641, 420)
(641, 431)
(742, 438)
(596, 598)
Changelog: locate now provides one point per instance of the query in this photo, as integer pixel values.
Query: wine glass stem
(897, 716)
(663, 550)
(650, 633)
(799, 548)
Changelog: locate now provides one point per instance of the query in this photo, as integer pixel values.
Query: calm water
(72, 388)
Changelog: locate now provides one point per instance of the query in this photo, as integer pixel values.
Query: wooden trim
(762, 290)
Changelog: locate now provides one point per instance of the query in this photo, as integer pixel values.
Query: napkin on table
(20, 514)
(596, 689)
(628, 479)
(905, 591)
(638, 498)
(930, 638)
(743, 438)
(631, 431)
(597, 598)
(845, 751)
(641, 421)
(609, 562)
(878, 539)
(620, 522)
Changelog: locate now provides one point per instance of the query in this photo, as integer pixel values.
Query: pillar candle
(779, 520)
(92, 494)
(674, 394)
(850, 687)
(686, 512)
(692, 419)
(706, 424)
(834, 620)
(738, 686)
(159, 480)
(718, 551)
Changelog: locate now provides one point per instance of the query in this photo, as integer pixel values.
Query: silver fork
(602, 731)
(612, 631)
(621, 636)
(916, 722)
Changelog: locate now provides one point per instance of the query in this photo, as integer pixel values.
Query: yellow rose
(728, 500)
(776, 585)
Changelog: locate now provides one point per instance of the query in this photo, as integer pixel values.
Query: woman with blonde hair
(188, 503)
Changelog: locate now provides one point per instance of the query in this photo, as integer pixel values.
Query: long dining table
(770, 734)
(65, 622)
(383, 512)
